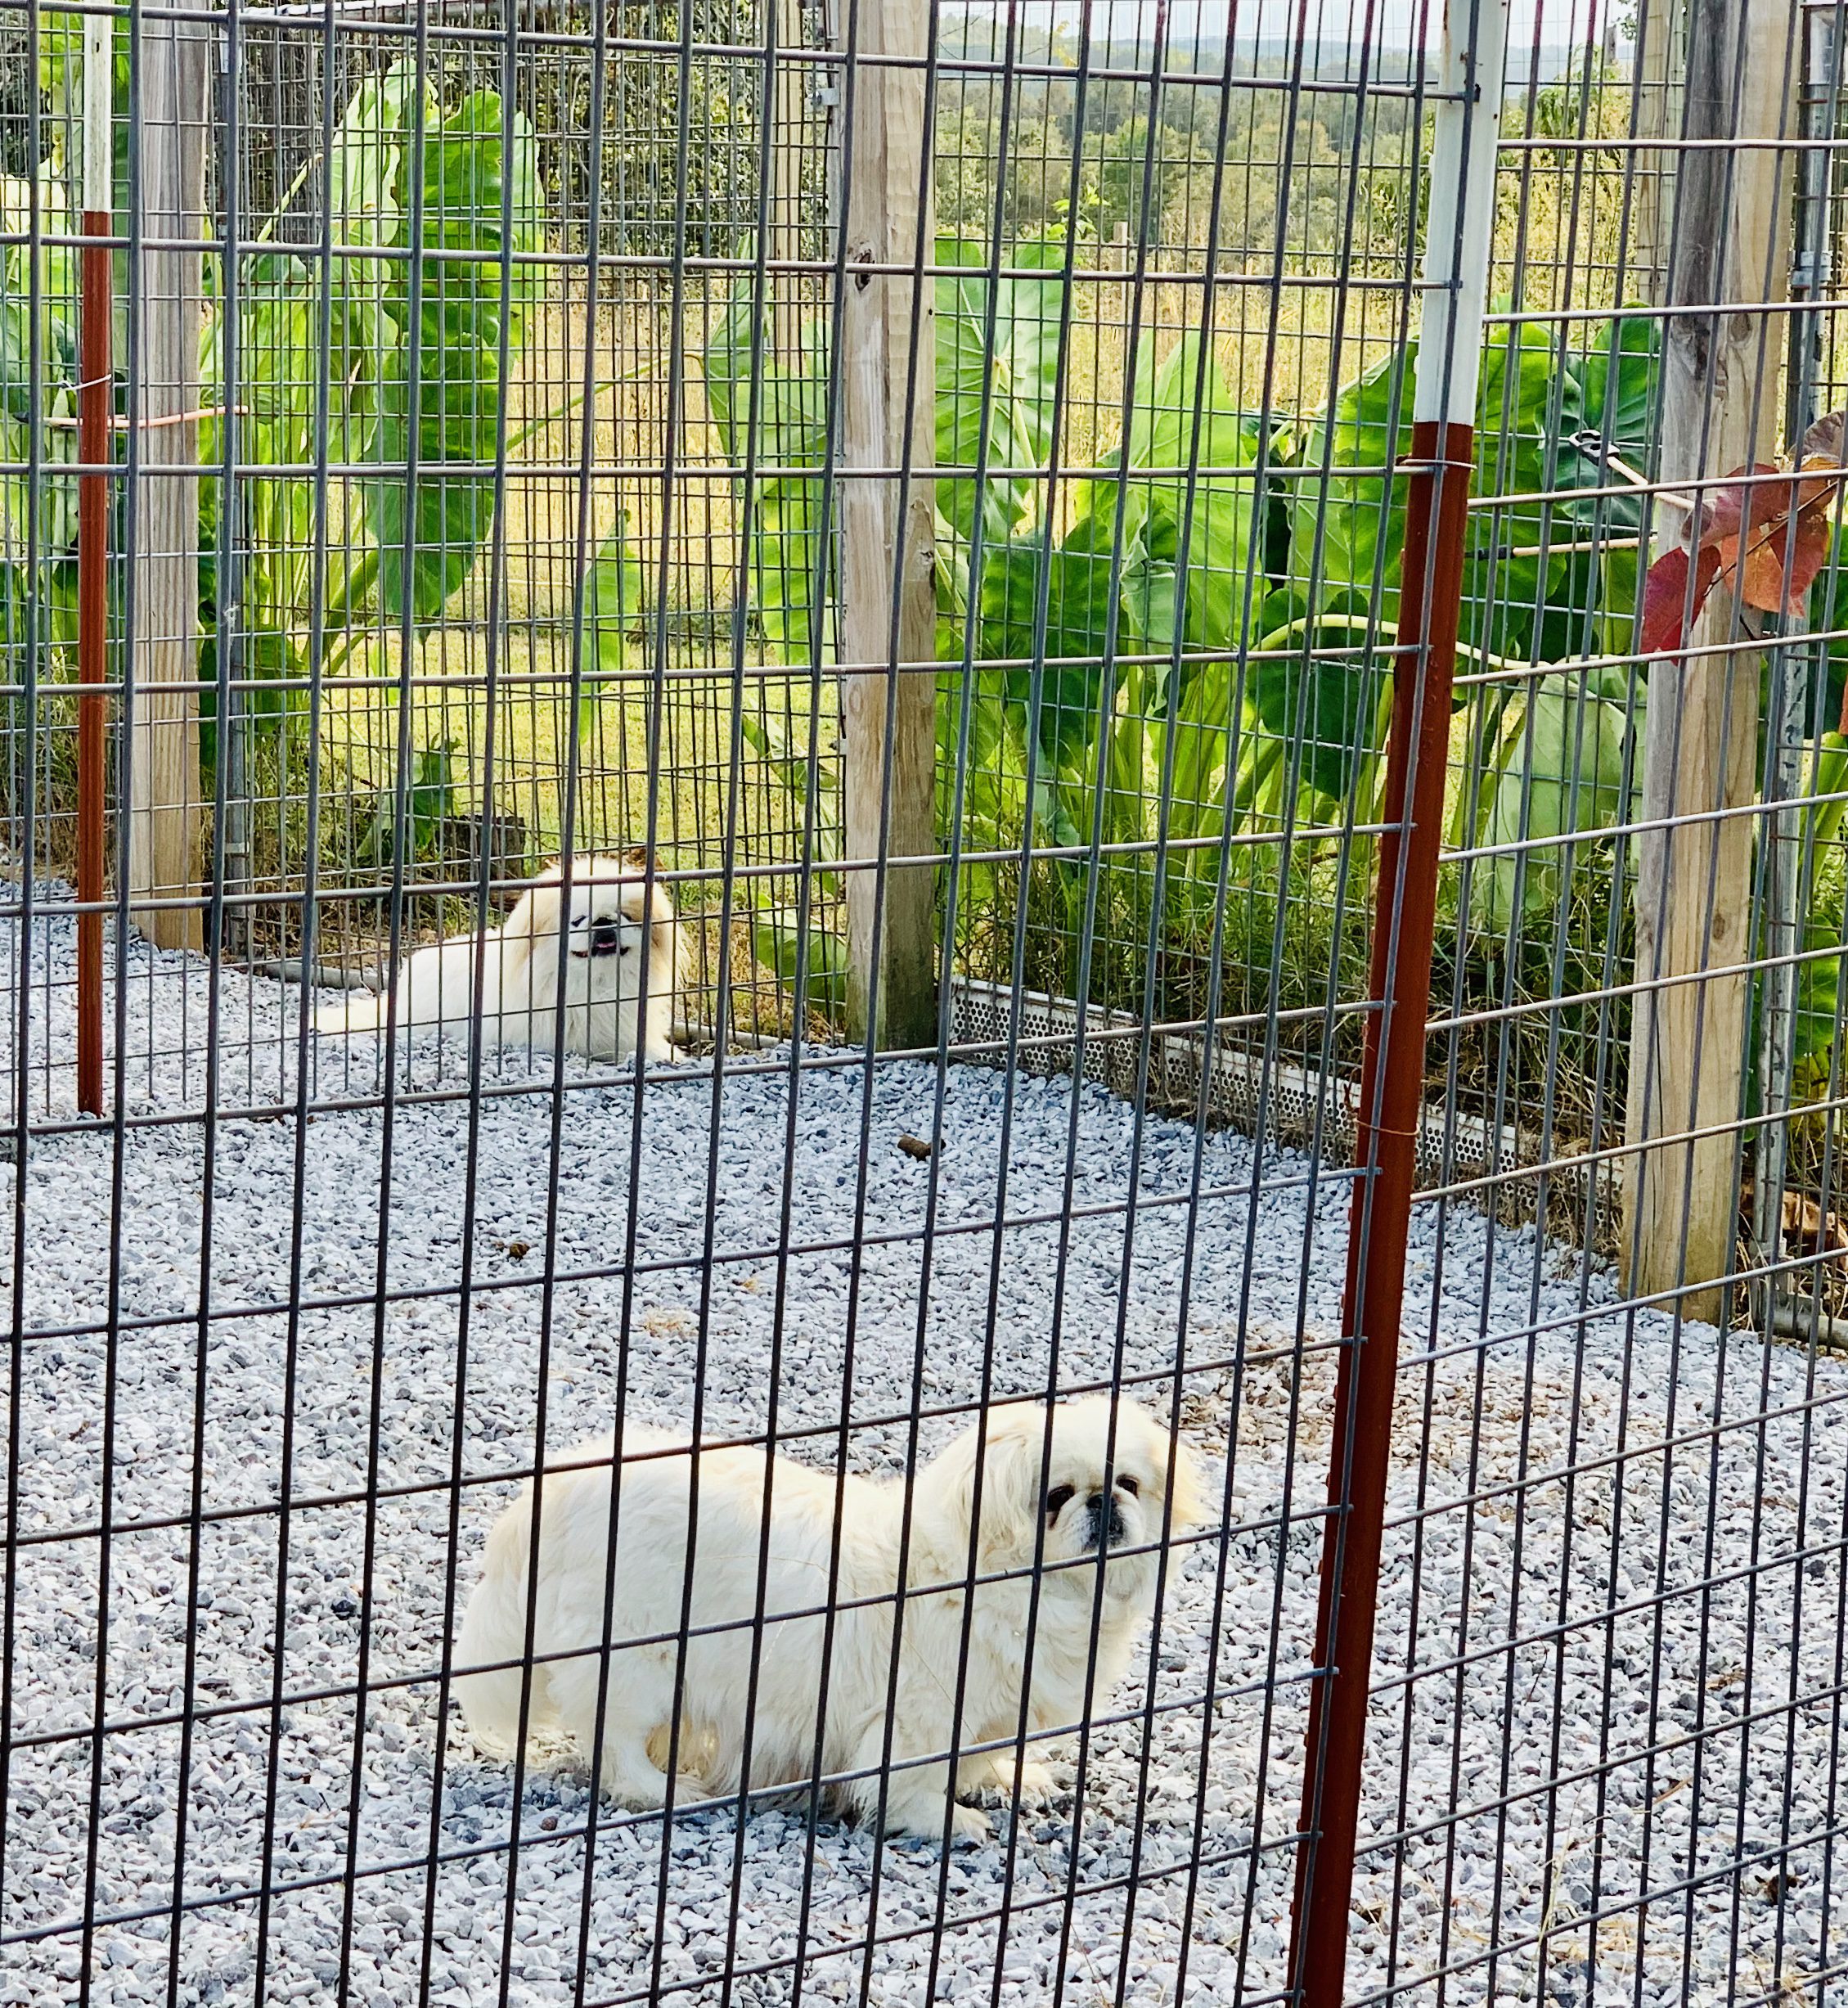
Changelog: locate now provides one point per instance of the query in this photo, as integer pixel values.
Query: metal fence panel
(1190, 666)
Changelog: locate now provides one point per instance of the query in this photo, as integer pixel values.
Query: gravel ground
(1680, 1728)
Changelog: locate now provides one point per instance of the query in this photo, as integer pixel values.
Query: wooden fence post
(172, 82)
(1722, 404)
(1661, 50)
(885, 547)
(789, 113)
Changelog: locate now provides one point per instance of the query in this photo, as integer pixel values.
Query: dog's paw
(1034, 1784)
(1027, 1783)
(969, 1826)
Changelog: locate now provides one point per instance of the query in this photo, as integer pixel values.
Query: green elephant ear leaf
(440, 393)
(1558, 774)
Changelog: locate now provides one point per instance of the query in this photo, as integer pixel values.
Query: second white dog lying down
(607, 1016)
(1094, 1496)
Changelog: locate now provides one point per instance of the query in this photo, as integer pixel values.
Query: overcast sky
(1562, 23)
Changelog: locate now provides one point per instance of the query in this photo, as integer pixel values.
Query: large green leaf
(430, 803)
(61, 41)
(791, 410)
(1184, 422)
(1558, 770)
(992, 771)
(429, 528)
(1346, 531)
(1819, 982)
(1032, 319)
(1346, 527)
(1078, 601)
(368, 180)
(1014, 358)
(1611, 395)
(1531, 402)
(774, 417)
(613, 607)
(366, 171)
(787, 941)
(1313, 691)
(964, 366)
(1828, 615)
(1611, 392)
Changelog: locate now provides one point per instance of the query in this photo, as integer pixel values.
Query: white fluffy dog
(1089, 1495)
(608, 1014)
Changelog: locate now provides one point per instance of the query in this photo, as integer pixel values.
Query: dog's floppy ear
(534, 920)
(638, 856)
(1012, 1443)
(669, 944)
(1013, 1480)
(1187, 1498)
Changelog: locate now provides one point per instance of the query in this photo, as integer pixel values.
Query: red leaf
(1761, 578)
(1737, 503)
(1819, 478)
(1667, 612)
(1665, 602)
(1811, 553)
(1742, 535)
(1766, 586)
(1706, 570)
(1824, 440)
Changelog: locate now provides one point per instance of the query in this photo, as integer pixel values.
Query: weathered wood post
(888, 601)
(787, 103)
(1722, 402)
(172, 82)
(1656, 115)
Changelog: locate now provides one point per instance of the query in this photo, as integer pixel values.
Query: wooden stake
(788, 127)
(164, 825)
(1722, 404)
(1661, 48)
(892, 913)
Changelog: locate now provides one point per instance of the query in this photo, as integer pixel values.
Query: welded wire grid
(1619, 1534)
(284, 1340)
(593, 488)
(38, 766)
(610, 496)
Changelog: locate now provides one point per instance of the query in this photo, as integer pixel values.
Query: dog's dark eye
(1130, 1487)
(1057, 1500)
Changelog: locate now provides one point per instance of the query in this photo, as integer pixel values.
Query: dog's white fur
(645, 1583)
(607, 1014)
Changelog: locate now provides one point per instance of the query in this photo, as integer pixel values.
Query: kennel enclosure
(1226, 632)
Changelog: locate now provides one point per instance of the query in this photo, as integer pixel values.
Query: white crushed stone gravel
(203, 1418)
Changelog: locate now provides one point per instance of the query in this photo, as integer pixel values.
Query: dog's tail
(494, 1631)
(360, 1011)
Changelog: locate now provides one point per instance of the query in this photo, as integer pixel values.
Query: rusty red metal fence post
(94, 414)
(1457, 256)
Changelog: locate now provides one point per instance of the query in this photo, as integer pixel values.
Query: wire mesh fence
(922, 950)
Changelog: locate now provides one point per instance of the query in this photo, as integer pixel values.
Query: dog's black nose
(1107, 1527)
(606, 937)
